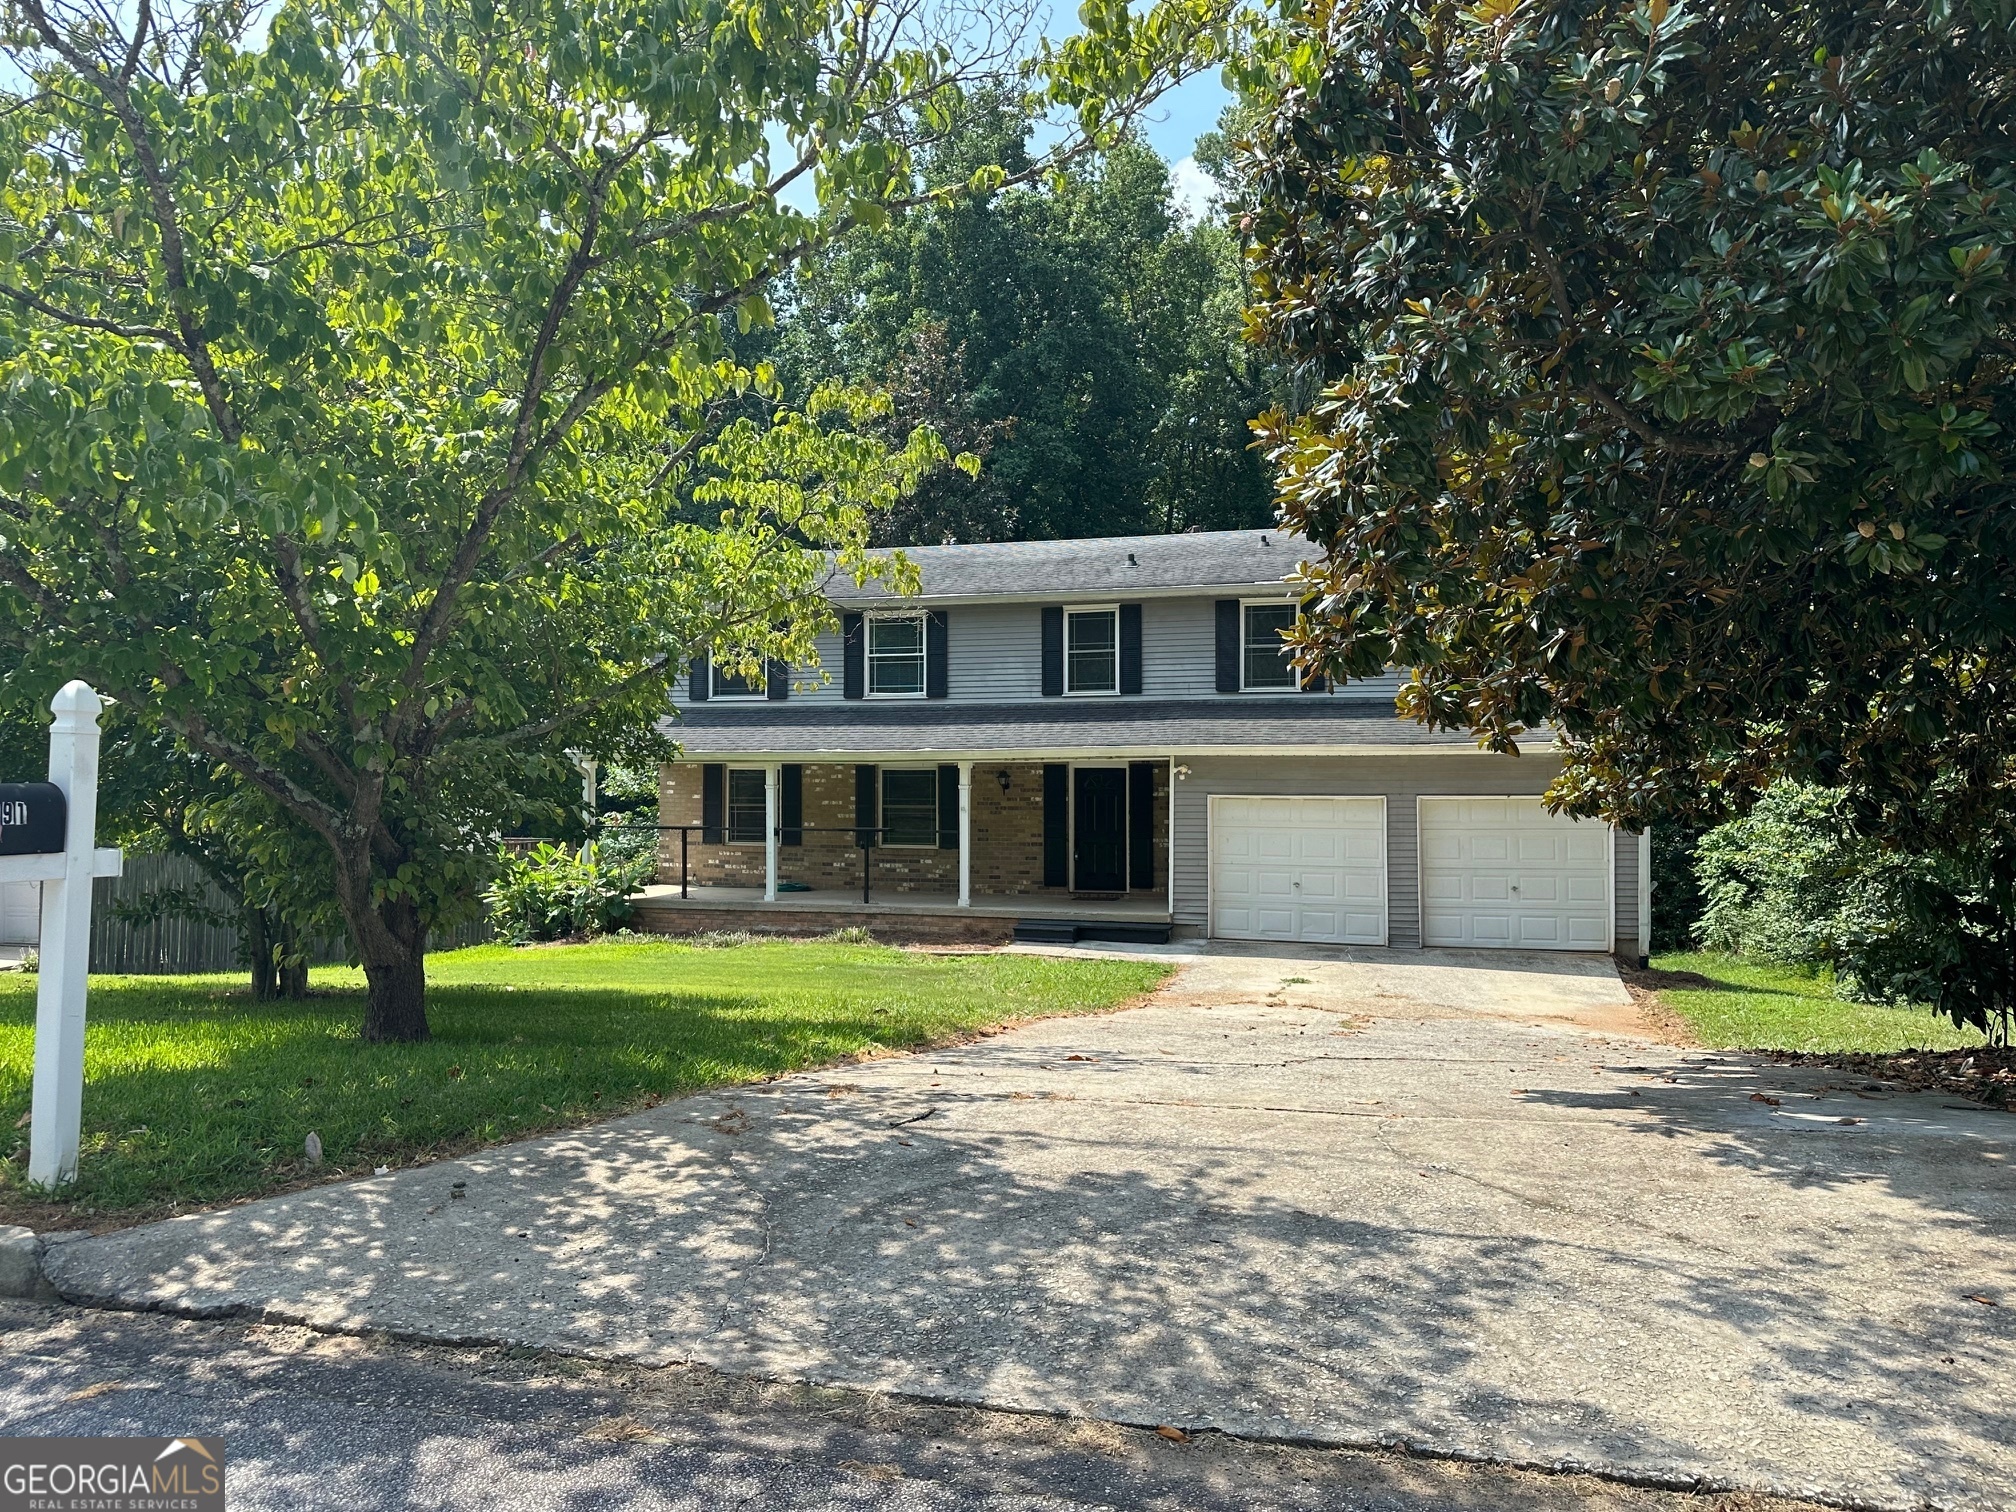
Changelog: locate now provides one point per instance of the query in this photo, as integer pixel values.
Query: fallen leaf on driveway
(872, 1472)
(1174, 1435)
(1984, 1301)
(95, 1389)
(1078, 1057)
(1848, 1120)
(619, 1430)
(1767, 1101)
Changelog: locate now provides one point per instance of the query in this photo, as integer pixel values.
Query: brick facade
(1007, 837)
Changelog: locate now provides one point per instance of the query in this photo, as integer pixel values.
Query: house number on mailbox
(31, 818)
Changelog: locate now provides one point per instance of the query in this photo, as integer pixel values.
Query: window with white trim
(1092, 651)
(910, 806)
(726, 683)
(747, 809)
(1265, 664)
(896, 656)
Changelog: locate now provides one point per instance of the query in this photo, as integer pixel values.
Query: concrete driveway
(1452, 1202)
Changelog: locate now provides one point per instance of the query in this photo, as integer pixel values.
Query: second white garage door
(1504, 872)
(1310, 869)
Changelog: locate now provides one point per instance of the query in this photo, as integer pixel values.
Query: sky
(1172, 127)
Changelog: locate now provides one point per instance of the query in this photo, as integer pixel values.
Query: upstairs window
(1266, 663)
(1092, 651)
(726, 684)
(909, 806)
(896, 656)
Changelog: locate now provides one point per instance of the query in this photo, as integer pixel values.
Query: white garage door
(1310, 869)
(1504, 872)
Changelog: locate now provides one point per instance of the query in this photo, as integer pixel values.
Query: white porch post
(65, 946)
(773, 777)
(1645, 895)
(1169, 876)
(965, 834)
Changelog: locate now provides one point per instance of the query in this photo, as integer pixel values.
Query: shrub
(551, 892)
(1776, 882)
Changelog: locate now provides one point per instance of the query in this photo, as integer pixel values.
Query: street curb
(1407, 1445)
(21, 1265)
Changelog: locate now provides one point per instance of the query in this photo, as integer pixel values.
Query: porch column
(965, 834)
(773, 776)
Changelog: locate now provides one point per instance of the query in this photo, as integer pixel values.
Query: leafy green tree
(362, 369)
(1655, 377)
(1072, 332)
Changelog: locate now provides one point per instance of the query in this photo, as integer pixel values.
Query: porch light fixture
(1002, 778)
(1182, 774)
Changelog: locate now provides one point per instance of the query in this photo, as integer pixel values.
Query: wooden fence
(174, 944)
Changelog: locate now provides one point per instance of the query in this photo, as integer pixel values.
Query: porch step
(1046, 932)
(1071, 931)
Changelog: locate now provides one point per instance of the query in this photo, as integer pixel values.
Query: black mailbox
(32, 818)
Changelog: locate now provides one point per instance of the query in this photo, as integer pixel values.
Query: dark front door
(1099, 830)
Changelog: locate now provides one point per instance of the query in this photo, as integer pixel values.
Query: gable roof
(1103, 565)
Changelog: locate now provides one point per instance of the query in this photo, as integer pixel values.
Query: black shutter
(853, 656)
(1228, 645)
(1053, 654)
(1141, 823)
(1056, 822)
(696, 680)
(791, 804)
(1313, 682)
(864, 806)
(778, 684)
(1130, 648)
(948, 807)
(713, 802)
(937, 653)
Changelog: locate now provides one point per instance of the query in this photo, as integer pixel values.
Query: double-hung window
(1092, 651)
(746, 809)
(728, 684)
(909, 806)
(896, 656)
(1265, 663)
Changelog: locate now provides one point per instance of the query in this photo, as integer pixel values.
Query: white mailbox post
(64, 861)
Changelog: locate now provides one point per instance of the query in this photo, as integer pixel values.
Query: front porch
(1058, 849)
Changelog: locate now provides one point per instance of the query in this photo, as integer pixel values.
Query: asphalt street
(312, 1421)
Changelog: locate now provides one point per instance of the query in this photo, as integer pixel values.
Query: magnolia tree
(1655, 368)
(365, 366)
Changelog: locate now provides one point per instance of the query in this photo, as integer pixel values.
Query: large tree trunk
(392, 943)
(259, 954)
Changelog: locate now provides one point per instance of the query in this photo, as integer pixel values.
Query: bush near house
(553, 893)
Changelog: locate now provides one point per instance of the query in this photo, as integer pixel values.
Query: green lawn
(1754, 1005)
(193, 1092)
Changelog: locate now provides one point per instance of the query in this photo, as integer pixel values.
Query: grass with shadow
(195, 1093)
(1732, 1003)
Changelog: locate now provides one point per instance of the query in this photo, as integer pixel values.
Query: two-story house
(1105, 739)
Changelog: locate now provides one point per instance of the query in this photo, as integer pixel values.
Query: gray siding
(1629, 936)
(1399, 779)
(996, 655)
